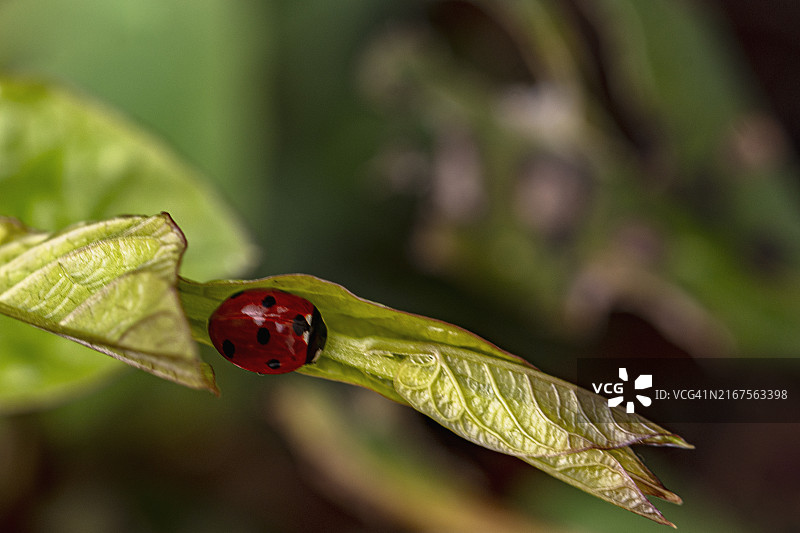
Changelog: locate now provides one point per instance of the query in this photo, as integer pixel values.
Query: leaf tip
(209, 379)
(658, 518)
(666, 439)
(679, 442)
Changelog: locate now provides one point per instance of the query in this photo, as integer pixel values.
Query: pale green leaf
(470, 386)
(108, 285)
(512, 408)
(65, 159)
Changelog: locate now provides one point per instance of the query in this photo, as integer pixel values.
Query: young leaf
(470, 386)
(108, 285)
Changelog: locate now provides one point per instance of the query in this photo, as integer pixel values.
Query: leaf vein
(477, 420)
(499, 395)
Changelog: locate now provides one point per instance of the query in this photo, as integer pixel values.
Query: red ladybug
(267, 331)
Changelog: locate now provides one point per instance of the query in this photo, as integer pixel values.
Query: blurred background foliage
(604, 177)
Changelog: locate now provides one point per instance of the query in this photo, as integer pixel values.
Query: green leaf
(65, 159)
(108, 285)
(470, 386)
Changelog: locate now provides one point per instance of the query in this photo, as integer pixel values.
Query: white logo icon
(645, 381)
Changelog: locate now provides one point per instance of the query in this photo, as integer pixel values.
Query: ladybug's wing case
(267, 331)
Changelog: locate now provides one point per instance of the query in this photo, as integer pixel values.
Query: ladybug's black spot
(274, 364)
(263, 336)
(228, 349)
(268, 302)
(236, 295)
(300, 325)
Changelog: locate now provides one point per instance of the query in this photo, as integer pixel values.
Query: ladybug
(267, 331)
